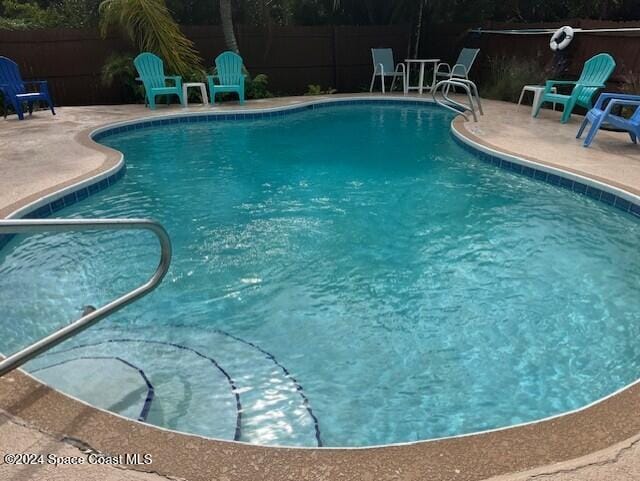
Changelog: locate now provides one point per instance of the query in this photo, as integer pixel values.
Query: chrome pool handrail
(22, 226)
(471, 90)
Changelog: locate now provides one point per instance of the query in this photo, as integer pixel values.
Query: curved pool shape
(347, 276)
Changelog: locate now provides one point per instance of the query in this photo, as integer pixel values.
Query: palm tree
(226, 19)
(151, 28)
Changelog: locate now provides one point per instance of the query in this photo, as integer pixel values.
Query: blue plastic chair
(601, 114)
(14, 89)
(229, 75)
(151, 70)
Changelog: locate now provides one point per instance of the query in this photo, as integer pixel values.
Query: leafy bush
(314, 89)
(119, 70)
(507, 76)
(256, 87)
(630, 85)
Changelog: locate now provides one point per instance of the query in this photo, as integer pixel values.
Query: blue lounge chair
(14, 89)
(151, 70)
(601, 114)
(595, 73)
(229, 75)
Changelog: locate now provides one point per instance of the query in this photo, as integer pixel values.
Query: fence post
(335, 57)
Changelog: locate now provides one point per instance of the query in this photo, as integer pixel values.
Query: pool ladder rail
(30, 226)
(447, 102)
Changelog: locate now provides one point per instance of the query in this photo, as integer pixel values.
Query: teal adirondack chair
(151, 70)
(594, 74)
(229, 75)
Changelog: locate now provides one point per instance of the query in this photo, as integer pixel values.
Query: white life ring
(568, 36)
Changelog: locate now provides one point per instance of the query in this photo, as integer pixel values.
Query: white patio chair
(384, 66)
(462, 66)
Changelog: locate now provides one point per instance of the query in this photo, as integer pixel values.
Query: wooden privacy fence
(445, 42)
(292, 57)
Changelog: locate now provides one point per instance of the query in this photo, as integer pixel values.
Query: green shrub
(630, 85)
(119, 70)
(315, 89)
(256, 87)
(507, 76)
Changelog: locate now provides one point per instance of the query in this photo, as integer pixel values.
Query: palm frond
(150, 26)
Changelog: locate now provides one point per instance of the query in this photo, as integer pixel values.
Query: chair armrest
(615, 102)
(562, 82)
(177, 79)
(583, 84)
(401, 66)
(550, 83)
(41, 82)
(446, 65)
(459, 66)
(608, 95)
(378, 69)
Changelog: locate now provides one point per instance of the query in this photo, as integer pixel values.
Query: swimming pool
(348, 275)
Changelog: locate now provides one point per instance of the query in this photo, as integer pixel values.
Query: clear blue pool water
(348, 273)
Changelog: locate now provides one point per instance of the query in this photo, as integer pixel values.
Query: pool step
(209, 383)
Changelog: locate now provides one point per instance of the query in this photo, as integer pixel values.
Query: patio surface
(44, 153)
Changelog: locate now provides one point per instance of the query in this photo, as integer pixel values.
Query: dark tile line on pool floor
(150, 390)
(234, 389)
(305, 399)
(269, 356)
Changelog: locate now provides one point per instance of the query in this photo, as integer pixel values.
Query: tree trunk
(419, 29)
(227, 26)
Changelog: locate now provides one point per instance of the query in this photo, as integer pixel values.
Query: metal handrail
(468, 86)
(61, 225)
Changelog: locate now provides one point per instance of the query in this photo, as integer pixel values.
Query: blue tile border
(595, 193)
(252, 115)
(67, 200)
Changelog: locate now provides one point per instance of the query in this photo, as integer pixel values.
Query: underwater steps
(222, 387)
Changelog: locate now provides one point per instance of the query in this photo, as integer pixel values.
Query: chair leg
(520, 99)
(152, 102)
(634, 137)
(393, 84)
(585, 122)
(373, 79)
(566, 113)
(595, 126)
(241, 95)
(538, 107)
(382, 80)
(51, 106)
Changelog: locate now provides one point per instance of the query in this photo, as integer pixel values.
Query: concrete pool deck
(45, 153)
